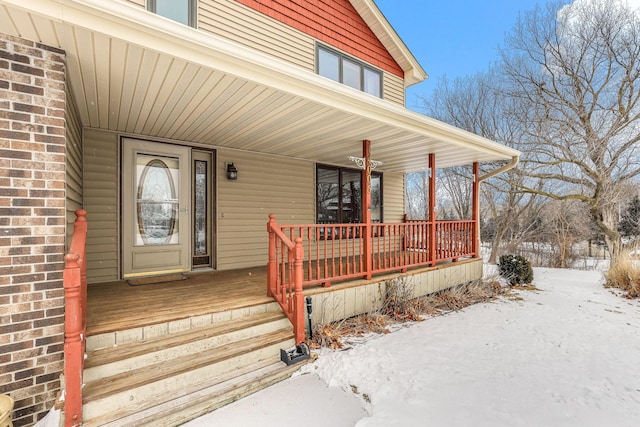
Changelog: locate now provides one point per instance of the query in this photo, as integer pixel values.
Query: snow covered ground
(567, 355)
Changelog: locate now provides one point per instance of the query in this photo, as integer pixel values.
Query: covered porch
(201, 93)
(118, 306)
(333, 258)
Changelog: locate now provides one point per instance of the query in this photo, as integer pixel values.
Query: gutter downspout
(512, 164)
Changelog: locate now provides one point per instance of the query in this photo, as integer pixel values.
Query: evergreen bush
(516, 269)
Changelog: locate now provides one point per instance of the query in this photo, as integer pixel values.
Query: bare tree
(564, 222)
(417, 197)
(479, 104)
(456, 187)
(575, 72)
(512, 213)
(453, 194)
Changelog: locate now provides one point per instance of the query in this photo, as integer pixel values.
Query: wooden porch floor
(117, 306)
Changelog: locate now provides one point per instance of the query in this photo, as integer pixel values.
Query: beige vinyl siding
(393, 197)
(73, 172)
(266, 184)
(393, 88)
(101, 181)
(234, 21)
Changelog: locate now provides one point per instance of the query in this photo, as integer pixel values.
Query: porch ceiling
(135, 72)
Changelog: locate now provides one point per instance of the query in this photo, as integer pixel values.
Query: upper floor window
(183, 11)
(344, 69)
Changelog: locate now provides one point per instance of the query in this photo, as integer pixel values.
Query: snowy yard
(566, 355)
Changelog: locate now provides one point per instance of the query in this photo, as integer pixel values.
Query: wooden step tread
(197, 308)
(201, 399)
(156, 372)
(114, 354)
(209, 400)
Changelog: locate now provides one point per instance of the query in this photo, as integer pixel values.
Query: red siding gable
(334, 22)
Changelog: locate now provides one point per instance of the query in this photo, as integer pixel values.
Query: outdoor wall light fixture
(232, 172)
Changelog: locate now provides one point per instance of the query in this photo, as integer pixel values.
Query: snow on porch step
(177, 411)
(130, 392)
(136, 334)
(115, 360)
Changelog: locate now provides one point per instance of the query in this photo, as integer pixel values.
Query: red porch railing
(285, 276)
(337, 251)
(333, 251)
(455, 239)
(75, 295)
(310, 254)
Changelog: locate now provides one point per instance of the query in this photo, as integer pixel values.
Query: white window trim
(341, 56)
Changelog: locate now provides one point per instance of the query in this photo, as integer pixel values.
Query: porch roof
(138, 73)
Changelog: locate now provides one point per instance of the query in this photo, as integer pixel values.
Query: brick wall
(32, 224)
(335, 22)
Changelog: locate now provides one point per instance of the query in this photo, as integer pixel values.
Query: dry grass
(332, 335)
(624, 274)
(465, 295)
(399, 304)
(399, 307)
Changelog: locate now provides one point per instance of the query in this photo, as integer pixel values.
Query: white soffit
(135, 72)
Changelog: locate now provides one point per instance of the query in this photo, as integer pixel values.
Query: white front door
(156, 180)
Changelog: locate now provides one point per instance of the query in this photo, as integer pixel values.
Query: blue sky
(452, 37)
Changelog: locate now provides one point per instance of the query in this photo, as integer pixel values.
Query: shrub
(624, 274)
(516, 269)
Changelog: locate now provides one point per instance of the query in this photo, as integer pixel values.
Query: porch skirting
(345, 300)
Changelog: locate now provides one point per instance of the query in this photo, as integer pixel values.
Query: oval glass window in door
(156, 200)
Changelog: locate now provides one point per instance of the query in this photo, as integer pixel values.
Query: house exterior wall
(336, 23)
(393, 89)
(32, 224)
(393, 197)
(290, 34)
(234, 21)
(266, 184)
(101, 182)
(73, 177)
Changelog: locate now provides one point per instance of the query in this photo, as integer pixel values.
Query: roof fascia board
(387, 35)
(130, 23)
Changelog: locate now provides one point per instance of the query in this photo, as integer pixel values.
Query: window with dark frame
(337, 66)
(183, 11)
(339, 195)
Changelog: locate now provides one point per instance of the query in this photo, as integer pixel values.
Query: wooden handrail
(75, 327)
(285, 274)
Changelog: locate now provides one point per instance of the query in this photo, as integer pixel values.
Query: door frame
(198, 153)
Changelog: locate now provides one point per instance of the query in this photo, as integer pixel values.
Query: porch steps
(174, 377)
